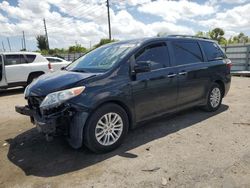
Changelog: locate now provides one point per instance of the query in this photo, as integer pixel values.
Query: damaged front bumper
(66, 120)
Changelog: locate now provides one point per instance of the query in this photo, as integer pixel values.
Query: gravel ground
(190, 149)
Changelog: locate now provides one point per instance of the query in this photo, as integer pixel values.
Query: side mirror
(142, 66)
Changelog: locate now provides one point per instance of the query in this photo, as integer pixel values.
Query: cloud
(84, 21)
(3, 18)
(232, 19)
(74, 21)
(173, 11)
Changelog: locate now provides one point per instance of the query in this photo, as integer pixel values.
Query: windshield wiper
(79, 70)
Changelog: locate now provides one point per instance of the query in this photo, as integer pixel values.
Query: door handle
(171, 75)
(182, 73)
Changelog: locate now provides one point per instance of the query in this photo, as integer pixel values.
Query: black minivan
(96, 99)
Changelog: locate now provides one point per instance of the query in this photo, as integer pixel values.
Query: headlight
(57, 98)
(26, 91)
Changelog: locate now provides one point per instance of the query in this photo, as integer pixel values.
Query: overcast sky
(85, 21)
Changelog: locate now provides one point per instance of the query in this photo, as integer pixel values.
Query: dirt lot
(190, 149)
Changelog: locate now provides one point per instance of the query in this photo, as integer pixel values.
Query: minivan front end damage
(65, 119)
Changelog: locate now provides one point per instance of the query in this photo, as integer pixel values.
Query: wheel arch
(120, 103)
(222, 85)
(39, 73)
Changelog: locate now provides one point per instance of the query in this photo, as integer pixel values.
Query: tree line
(218, 34)
(42, 45)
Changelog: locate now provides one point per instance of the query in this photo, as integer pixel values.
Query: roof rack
(188, 36)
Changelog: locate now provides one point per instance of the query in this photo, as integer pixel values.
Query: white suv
(21, 68)
(57, 63)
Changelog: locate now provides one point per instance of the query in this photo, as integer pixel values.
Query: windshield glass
(101, 59)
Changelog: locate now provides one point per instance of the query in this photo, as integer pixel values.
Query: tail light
(49, 66)
(229, 64)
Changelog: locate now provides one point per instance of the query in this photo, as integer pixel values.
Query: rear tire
(214, 98)
(106, 128)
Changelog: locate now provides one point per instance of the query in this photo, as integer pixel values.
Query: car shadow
(8, 92)
(35, 156)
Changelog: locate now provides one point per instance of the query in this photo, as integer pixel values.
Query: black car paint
(143, 96)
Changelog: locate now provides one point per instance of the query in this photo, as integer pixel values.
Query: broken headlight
(57, 98)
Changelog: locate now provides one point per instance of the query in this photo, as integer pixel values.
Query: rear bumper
(227, 84)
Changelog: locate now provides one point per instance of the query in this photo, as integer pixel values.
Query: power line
(3, 46)
(9, 43)
(84, 13)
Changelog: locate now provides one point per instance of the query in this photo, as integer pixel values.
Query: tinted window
(22, 59)
(187, 52)
(212, 51)
(157, 54)
(30, 58)
(12, 59)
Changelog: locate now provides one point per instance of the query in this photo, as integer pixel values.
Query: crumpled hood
(56, 81)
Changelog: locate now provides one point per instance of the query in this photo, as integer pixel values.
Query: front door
(154, 92)
(2, 72)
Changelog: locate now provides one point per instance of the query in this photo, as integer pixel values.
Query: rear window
(212, 51)
(30, 58)
(187, 52)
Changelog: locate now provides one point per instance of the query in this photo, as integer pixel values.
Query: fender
(76, 129)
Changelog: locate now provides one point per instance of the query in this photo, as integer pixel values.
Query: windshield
(101, 59)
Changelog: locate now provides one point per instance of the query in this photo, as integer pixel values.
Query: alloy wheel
(109, 129)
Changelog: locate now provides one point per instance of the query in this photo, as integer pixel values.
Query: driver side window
(156, 53)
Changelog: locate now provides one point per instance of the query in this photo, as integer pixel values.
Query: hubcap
(109, 129)
(215, 97)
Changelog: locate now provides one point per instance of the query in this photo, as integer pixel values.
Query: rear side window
(15, 59)
(12, 59)
(212, 51)
(187, 52)
(30, 58)
(156, 53)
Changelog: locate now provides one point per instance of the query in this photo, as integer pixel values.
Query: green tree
(42, 42)
(103, 42)
(162, 34)
(241, 38)
(218, 35)
(202, 34)
(77, 49)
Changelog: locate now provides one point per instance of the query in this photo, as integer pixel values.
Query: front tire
(214, 98)
(106, 128)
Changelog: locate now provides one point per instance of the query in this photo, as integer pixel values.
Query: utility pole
(24, 42)
(90, 45)
(109, 20)
(3, 46)
(9, 43)
(46, 33)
